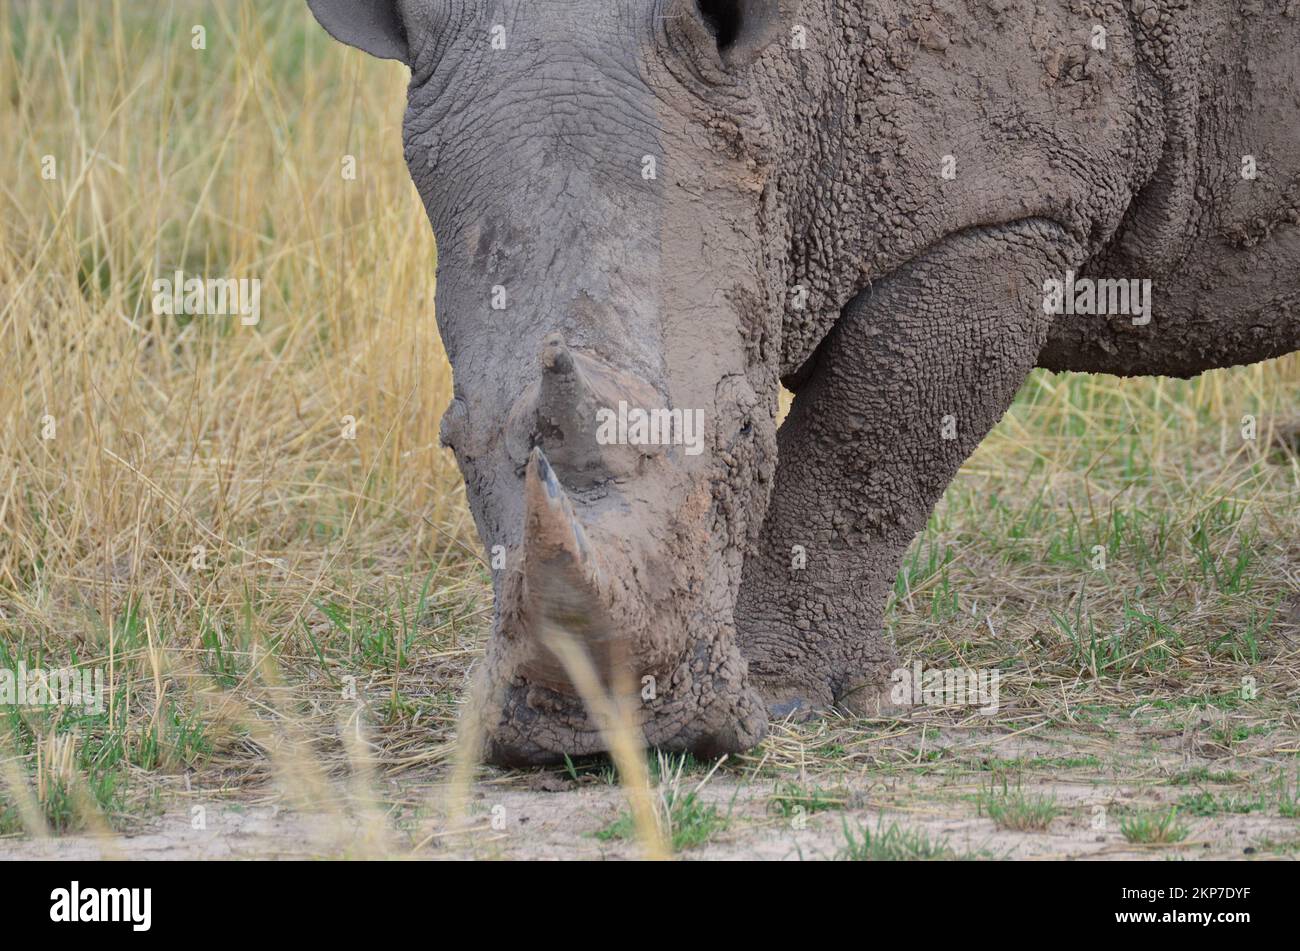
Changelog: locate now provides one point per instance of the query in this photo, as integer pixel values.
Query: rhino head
(598, 177)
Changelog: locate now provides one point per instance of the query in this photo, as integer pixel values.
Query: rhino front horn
(561, 585)
(553, 536)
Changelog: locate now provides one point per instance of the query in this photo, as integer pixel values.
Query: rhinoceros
(651, 214)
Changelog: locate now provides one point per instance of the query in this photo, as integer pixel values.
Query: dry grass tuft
(191, 477)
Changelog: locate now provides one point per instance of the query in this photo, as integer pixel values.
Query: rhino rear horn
(562, 412)
(565, 399)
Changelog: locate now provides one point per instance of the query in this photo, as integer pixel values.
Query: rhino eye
(453, 423)
(747, 428)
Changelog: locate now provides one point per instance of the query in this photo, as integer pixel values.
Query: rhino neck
(888, 93)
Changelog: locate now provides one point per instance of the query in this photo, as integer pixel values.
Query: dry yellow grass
(180, 504)
(171, 433)
(137, 447)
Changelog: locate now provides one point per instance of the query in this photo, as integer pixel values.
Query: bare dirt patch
(924, 785)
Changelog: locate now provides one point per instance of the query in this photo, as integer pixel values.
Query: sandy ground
(538, 815)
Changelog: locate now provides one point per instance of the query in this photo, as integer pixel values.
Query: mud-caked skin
(672, 204)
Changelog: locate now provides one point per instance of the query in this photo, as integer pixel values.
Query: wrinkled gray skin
(799, 228)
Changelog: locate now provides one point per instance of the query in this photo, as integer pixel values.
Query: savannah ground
(252, 531)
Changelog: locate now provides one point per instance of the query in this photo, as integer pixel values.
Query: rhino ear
(744, 28)
(371, 25)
